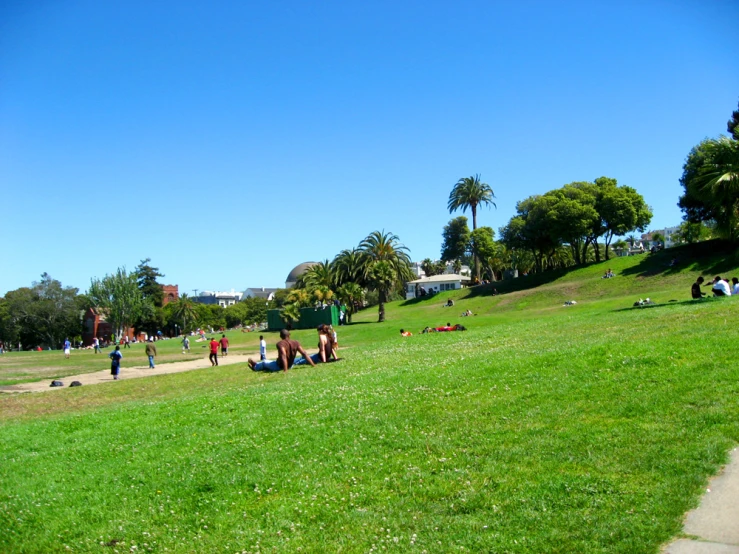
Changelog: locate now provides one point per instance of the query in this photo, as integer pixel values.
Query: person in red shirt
(213, 351)
(224, 346)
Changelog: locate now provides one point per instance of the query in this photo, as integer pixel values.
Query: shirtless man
(287, 350)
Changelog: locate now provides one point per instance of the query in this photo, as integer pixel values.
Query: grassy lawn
(590, 428)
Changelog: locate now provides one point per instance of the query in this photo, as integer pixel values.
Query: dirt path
(135, 372)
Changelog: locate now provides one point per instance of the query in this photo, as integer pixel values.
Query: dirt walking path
(135, 372)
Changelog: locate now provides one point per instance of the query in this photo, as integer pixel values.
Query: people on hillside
(404, 333)
(735, 285)
(609, 274)
(449, 303)
(720, 287)
(213, 352)
(467, 313)
(287, 350)
(224, 345)
(115, 362)
(151, 351)
(695, 289)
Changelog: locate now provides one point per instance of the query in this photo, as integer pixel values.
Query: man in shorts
(287, 350)
(224, 345)
(67, 348)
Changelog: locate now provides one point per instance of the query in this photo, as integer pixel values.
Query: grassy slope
(541, 429)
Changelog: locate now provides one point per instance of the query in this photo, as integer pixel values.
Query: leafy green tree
(118, 296)
(621, 210)
(350, 294)
(692, 232)
(322, 274)
(470, 192)
(44, 314)
(658, 239)
(151, 289)
(711, 183)
(486, 250)
(456, 244)
(431, 268)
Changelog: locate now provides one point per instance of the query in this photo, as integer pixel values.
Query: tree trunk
(474, 226)
(597, 250)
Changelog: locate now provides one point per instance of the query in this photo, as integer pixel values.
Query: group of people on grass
(719, 287)
(288, 350)
(442, 329)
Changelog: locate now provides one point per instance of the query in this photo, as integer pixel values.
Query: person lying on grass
(287, 350)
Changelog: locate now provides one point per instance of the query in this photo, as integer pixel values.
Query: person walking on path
(262, 349)
(287, 349)
(213, 352)
(115, 362)
(185, 345)
(151, 351)
(224, 346)
(67, 348)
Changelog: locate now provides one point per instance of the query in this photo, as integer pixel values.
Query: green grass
(591, 428)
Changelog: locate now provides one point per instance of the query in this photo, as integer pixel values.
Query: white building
(465, 271)
(434, 284)
(221, 298)
(260, 292)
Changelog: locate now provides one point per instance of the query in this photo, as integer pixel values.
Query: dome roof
(298, 270)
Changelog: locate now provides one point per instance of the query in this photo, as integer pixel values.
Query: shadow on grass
(713, 257)
(671, 304)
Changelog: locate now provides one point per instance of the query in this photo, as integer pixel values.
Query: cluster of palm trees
(379, 263)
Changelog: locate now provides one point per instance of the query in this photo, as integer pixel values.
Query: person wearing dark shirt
(695, 290)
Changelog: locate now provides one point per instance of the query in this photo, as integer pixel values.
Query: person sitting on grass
(449, 303)
(404, 333)
(287, 350)
(735, 283)
(695, 289)
(720, 287)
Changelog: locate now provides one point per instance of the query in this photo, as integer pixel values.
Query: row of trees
(43, 314)
(565, 226)
(380, 265)
(710, 183)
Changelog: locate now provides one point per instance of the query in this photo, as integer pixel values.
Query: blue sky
(230, 141)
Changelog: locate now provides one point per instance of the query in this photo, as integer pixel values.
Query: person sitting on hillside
(609, 274)
(495, 292)
(720, 287)
(735, 283)
(467, 313)
(428, 330)
(449, 303)
(695, 289)
(404, 333)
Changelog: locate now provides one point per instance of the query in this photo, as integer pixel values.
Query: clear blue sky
(230, 141)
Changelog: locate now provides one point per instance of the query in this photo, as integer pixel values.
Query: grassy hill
(542, 428)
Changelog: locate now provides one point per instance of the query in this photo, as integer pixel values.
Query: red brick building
(171, 294)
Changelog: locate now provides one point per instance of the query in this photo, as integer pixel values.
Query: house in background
(435, 283)
(95, 325)
(260, 292)
(223, 299)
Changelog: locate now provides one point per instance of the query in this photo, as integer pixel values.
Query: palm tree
(184, 309)
(349, 294)
(290, 313)
(719, 182)
(385, 247)
(631, 239)
(470, 193)
(322, 274)
(349, 267)
(382, 278)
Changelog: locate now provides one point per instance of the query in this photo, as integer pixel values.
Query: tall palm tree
(382, 278)
(380, 246)
(349, 266)
(719, 182)
(184, 309)
(470, 192)
(322, 274)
